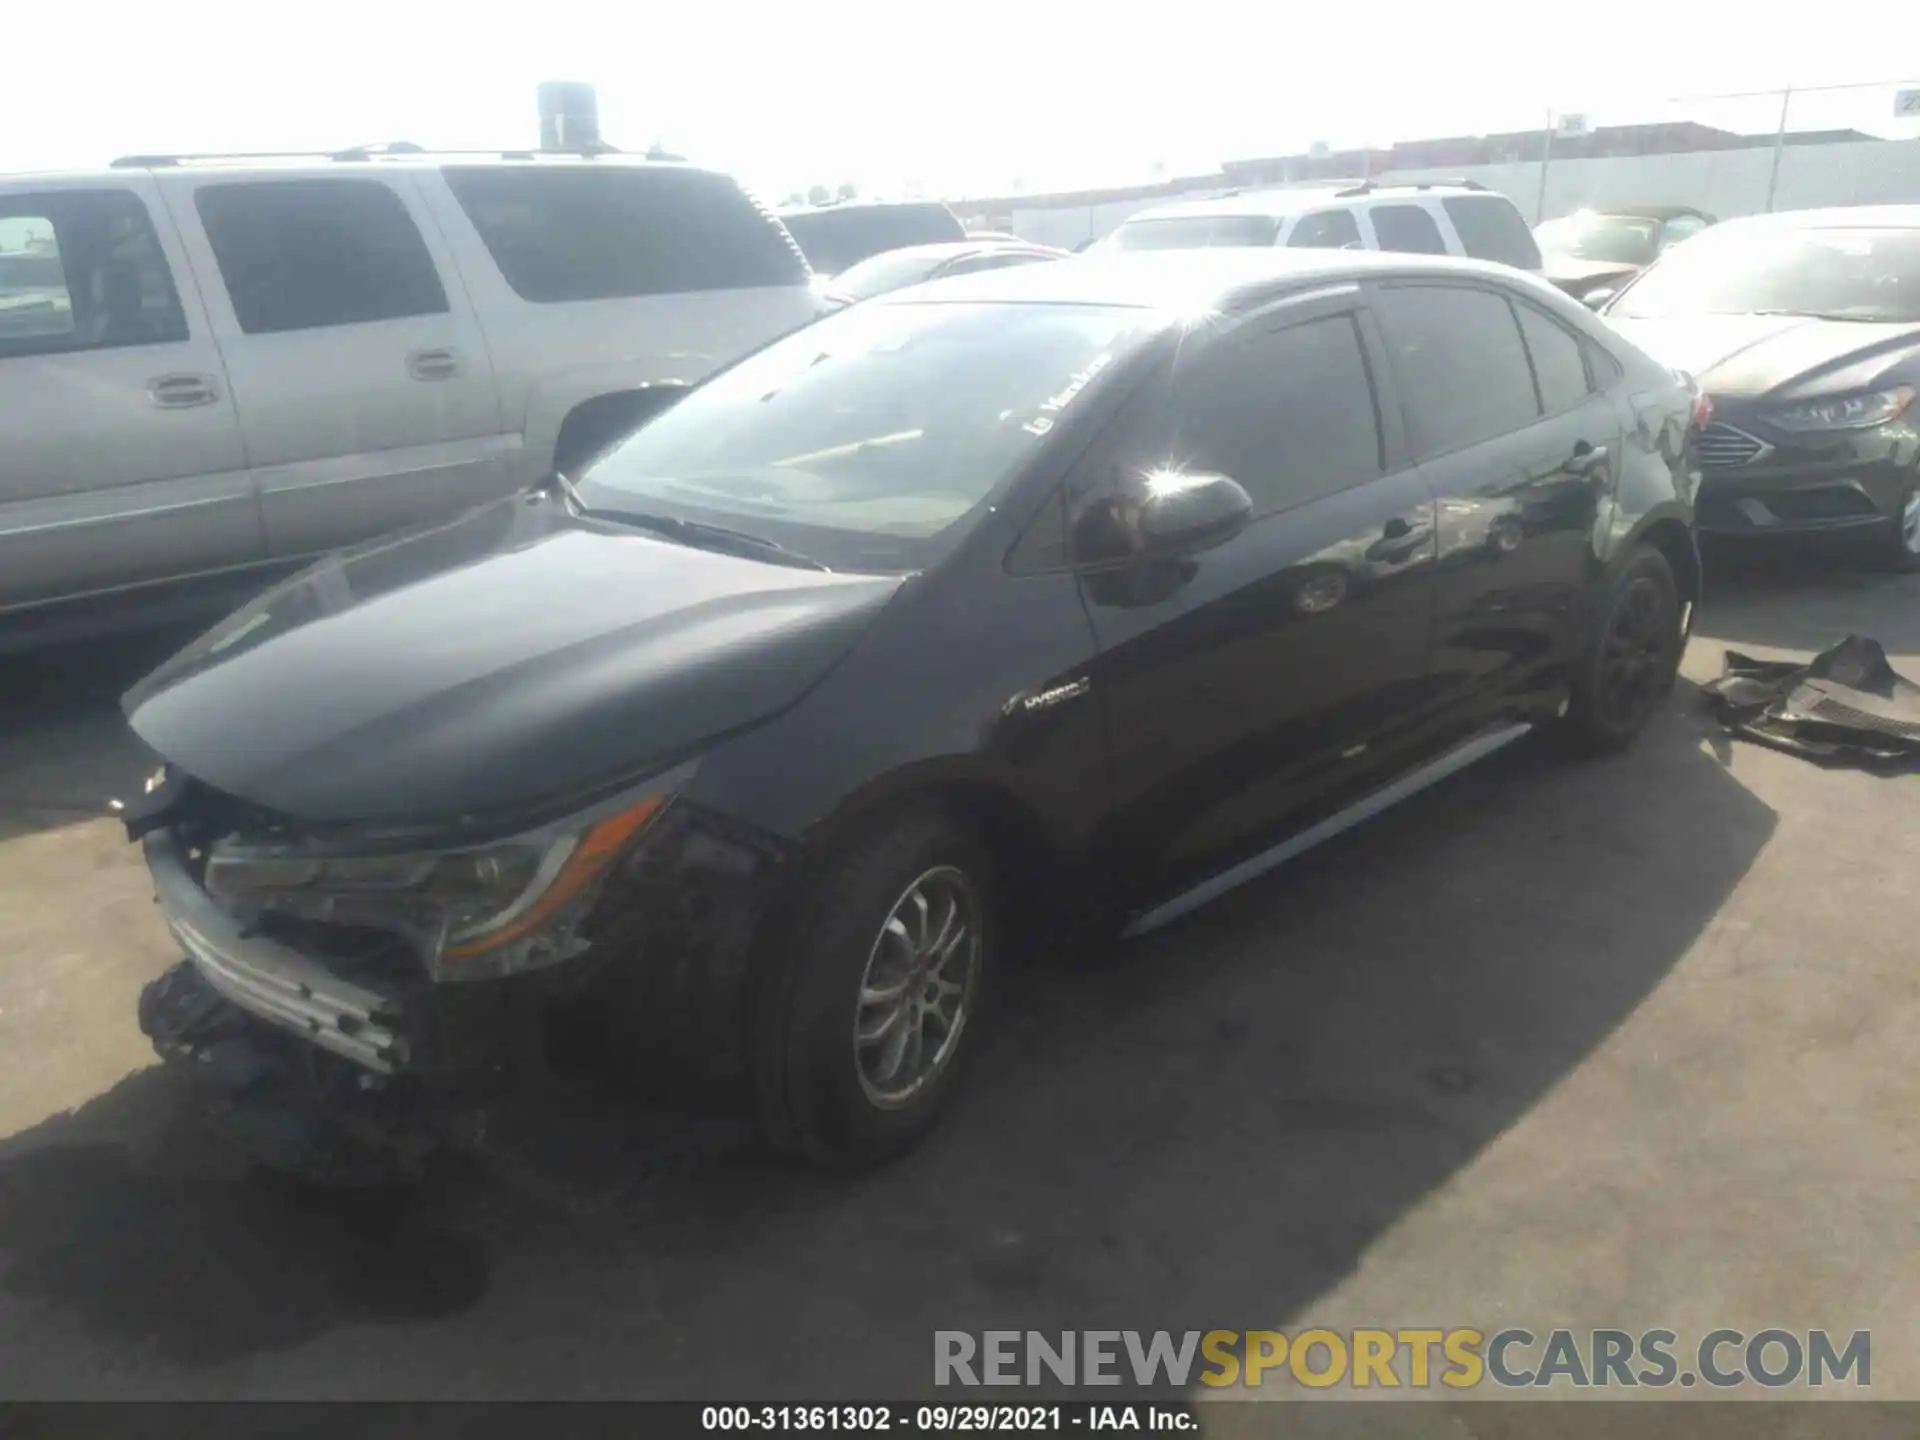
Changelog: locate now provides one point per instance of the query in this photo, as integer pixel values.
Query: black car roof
(1220, 279)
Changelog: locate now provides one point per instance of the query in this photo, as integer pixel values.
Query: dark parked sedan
(1068, 591)
(1592, 253)
(917, 264)
(1803, 328)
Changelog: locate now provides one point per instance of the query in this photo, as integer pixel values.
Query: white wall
(1722, 182)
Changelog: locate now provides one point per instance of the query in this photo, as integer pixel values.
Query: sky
(983, 98)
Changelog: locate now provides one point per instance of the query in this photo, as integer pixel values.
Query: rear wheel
(863, 1029)
(1631, 657)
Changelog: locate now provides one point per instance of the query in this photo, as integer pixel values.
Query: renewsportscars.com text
(1458, 1359)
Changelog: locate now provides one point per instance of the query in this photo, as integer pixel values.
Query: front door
(363, 382)
(120, 454)
(1244, 684)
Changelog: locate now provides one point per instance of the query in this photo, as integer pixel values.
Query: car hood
(1569, 273)
(499, 662)
(1772, 356)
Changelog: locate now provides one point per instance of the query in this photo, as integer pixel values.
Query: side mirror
(1186, 514)
(1595, 300)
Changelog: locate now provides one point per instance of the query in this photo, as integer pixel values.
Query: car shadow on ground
(1205, 1128)
(64, 748)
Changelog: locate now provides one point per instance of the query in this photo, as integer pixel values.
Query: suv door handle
(433, 364)
(1587, 461)
(182, 392)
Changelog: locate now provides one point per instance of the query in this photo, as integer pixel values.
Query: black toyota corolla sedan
(749, 754)
(1803, 329)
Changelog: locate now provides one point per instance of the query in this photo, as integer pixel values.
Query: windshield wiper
(696, 533)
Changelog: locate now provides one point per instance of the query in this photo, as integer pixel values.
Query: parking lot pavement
(1618, 1044)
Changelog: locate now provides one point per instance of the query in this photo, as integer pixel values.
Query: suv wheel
(1631, 658)
(863, 1028)
(1899, 544)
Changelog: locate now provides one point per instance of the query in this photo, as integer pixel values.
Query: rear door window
(1408, 229)
(308, 254)
(83, 270)
(1491, 229)
(1461, 364)
(1559, 364)
(561, 233)
(1326, 230)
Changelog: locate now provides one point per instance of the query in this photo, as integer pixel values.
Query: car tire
(1630, 658)
(844, 1076)
(1898, 546)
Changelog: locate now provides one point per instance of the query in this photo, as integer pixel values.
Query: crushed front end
(350, 1004)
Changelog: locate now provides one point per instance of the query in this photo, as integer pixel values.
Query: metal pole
(1779, 144)
(1546, 159)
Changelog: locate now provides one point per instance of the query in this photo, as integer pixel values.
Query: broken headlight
(472, 912)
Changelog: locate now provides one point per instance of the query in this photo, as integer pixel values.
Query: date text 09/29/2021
(1145, 1416)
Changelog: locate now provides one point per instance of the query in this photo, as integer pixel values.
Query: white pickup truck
(228, 364)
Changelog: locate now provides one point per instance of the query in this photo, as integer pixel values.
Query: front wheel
(1899, 544)
(865, 1021)
(1631, 656)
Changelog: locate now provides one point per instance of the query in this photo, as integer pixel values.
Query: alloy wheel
(918, 987)
(1635, 655)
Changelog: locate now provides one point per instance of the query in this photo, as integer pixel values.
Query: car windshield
(871, 439)
(1619, 239)
(1196, 232)
(881, 273)
(1846, 274)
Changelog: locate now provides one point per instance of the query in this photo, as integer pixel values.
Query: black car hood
(512, 656)
(1772, 356)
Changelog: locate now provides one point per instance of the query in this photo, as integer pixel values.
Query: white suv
(209, 366)
(1461, 218)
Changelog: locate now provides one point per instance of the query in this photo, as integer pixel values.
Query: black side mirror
(1168, 517)
(1186, 514)
(1595, 299)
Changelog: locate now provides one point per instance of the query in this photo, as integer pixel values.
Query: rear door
(363, 385)
(1520, 446)
(1250, 683)
(120, 454)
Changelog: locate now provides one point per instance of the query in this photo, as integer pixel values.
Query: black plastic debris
(1846, 706)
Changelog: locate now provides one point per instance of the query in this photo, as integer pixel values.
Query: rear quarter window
(614, 232)
(1491, 229)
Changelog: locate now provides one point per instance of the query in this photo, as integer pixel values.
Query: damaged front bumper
(269, 980)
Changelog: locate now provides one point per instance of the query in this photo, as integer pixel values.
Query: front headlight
(1844, 412)
(472, 912)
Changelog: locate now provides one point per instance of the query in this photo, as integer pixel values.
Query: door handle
(433, 364)
(1587, 461)
(182, 392)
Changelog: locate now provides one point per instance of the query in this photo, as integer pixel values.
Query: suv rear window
(1408, 229)
(617, 231)
(306, 254)
(1491, 229)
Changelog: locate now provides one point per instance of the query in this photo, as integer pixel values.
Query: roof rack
(1367, 187)
(353, 154)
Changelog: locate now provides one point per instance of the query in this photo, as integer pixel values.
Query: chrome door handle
(182, 392)
(433, 364)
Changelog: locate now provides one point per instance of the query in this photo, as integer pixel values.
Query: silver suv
(1454, 218)
(212, 366)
